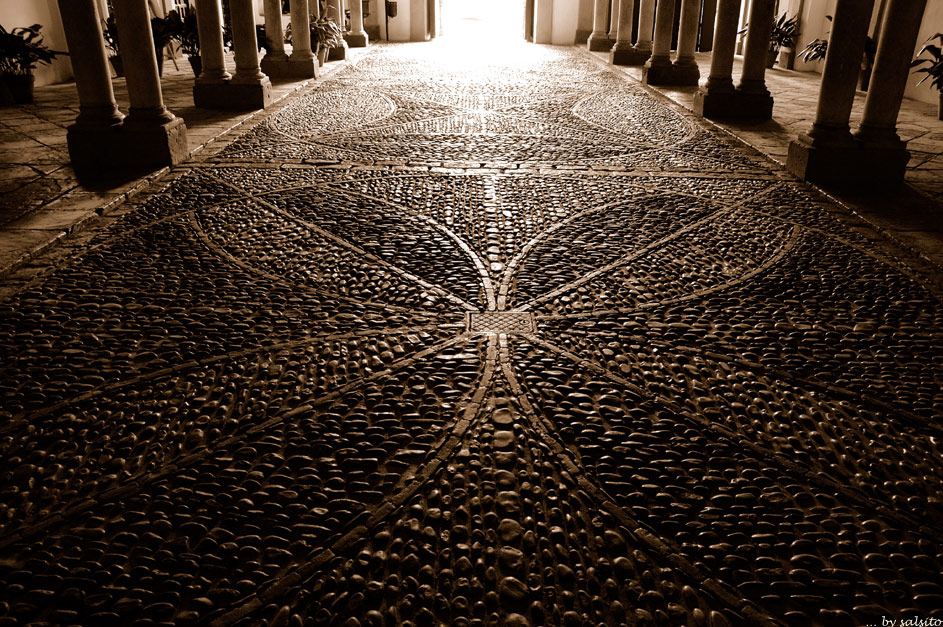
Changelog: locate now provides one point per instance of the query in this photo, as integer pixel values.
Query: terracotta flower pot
(19, 87)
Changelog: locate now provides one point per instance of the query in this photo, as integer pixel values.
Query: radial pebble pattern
(447, 340)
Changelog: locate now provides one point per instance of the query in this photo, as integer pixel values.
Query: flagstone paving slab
(468, 341)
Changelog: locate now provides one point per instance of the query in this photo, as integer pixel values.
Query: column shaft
(137, 50)
(646, 21)
(687, 37)
(624, 31)
(599, 39)
(661, 45)
(706, 43)
(613, 20)
(209, 17)
(335, 11)
(245, 42)
(891, 70)
(840, 75)
(82, 25)
(300, 31)
(600, 14)
(725, 43)
(273, 30)
(756, 52)
(358, 36)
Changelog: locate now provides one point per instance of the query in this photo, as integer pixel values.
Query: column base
(357, 40)
(233, 96)
(848, 165)
(733, 105)
(337, 54)
(595, 43)
(669, 74)
(290, 68)
(582, 35)
(629, 57)
(117, 151)
(686, 73)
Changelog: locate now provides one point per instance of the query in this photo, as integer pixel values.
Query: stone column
(623, 52)
(94, 136)
(756, 52)
(613, 33)
(685, 65)
(335, 11)
(884, 156)
(840, 75)
(599, 40)
(244, 42)
(215, 88)
(209, 19)
(137, 51)
(889, 75)
(301, 31)
(646, 22)
(302, 63)
(716, 97)
(827, 151)
(152, 136)
(755, 101)
(274, 32)
(707, 26)
(97, 108)
(357, 37)
(249, 84)
(658, 69)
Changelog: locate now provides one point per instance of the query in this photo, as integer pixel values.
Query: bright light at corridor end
(482, 28)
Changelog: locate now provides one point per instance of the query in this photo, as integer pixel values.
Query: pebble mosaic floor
(460, 340)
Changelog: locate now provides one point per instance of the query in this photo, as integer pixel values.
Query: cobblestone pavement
(466, 340)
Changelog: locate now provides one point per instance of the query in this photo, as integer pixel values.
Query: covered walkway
(473, 339)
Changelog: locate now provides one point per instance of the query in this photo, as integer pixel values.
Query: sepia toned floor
(474, 340)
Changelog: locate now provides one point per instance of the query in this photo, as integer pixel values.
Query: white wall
(812, 25)
(932, 24)
(418, 18)
(400, 27)
(585, 21)
(16, 13)
(543, 21)
(566, 14)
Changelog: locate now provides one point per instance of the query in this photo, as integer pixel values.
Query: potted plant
(164, 30)
(325, 36)
(816, 50)
(184, 28)
(21, 50)
(933, 66)
(784, 33)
